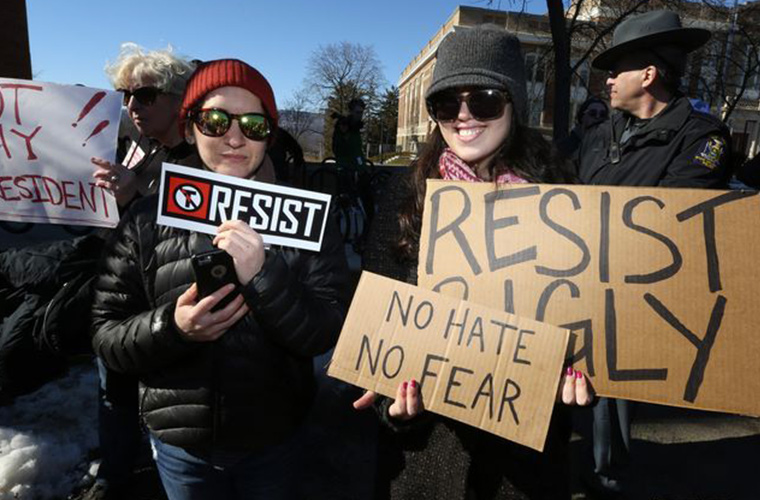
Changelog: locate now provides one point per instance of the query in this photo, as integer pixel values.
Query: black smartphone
(213, 270)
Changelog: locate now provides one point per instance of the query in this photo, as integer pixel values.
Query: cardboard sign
(48, 133)
(659, 286)
(198, 200)
(477, 365)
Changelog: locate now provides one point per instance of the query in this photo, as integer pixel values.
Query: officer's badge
(711, 152)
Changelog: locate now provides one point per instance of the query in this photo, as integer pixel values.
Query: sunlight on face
(474, 141)
(232, 153)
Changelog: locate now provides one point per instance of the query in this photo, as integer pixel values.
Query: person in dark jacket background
(654, 138)
(222, 393)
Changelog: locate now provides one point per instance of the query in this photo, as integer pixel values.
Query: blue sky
(71, 41)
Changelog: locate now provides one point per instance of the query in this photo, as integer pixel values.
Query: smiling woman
(478, 100)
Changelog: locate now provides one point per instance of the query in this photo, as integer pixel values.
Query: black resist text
(495, 261)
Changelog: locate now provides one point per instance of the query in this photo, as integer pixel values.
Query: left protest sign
(48, 133)
(481, 366)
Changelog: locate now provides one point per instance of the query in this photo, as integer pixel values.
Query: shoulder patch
(711, 153)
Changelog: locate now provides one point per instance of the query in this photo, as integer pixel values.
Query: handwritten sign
(48, 133)
(659, 286)
(199, 201)
(477, 365)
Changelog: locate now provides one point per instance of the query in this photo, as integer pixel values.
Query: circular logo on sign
(188, 197)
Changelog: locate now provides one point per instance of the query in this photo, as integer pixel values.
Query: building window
(534, 68)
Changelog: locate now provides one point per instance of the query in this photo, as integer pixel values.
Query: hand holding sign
(244, 245)
(575, 389)
(196, 322)
(407, 405)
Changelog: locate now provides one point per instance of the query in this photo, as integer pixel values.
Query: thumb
(189, 297)
(365, 401)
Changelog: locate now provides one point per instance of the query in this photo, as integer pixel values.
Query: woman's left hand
(118, 178)
(575, 389)
(244, 245)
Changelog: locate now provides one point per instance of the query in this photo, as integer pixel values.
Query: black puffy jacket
(249, 388)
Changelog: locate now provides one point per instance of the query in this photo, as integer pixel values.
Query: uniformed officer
(653, 138)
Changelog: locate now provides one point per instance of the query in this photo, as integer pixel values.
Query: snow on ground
(46, 436)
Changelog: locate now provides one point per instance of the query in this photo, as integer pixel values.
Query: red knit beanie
(212, 75)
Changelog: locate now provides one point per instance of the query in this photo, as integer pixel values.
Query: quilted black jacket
(251, 387)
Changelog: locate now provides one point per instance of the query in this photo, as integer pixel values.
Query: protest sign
(658, 286)
(48, 133)
(477, 365)
(199, 201)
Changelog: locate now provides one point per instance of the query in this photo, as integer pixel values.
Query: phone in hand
(213, 270)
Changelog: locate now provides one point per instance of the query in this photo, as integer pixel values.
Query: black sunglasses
(144, 95)
(215, 122)
(484, 104)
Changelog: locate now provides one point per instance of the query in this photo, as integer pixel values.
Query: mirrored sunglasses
(484, 104)
(215, 122)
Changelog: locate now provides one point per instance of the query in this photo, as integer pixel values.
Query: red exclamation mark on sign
(94, 100)
(98, 129)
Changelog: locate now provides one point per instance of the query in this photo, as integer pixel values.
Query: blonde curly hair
(136, 66)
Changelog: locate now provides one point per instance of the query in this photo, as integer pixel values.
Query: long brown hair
(524, 152)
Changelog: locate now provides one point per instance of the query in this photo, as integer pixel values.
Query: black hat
(650, 30)
(484, 57)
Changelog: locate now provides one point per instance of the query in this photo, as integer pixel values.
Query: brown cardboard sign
(477, 365)
(659, 287)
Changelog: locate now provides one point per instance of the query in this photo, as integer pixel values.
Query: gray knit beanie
(484, 57)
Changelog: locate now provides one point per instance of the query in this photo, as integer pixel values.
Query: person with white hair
(152, 82)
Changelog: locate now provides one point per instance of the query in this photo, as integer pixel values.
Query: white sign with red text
(48, 134)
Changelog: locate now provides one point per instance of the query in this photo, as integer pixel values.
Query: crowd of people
(223, 392)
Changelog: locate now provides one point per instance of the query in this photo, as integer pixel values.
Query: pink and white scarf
(453, 168)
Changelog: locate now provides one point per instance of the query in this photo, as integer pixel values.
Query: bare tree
(295, 115)
(337, 73)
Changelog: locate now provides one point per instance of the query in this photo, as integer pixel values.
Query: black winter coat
(251, 387)
(679, 147)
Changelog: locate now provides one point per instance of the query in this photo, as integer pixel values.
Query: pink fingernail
(414, 384)
(569, 370)
(405, 385)
(578, 374)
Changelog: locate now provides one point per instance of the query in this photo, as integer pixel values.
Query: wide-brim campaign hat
(650, 31)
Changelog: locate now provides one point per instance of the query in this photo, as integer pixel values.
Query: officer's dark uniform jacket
(679, 147)
(249, 388)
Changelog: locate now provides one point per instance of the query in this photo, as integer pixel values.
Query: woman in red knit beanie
(223, 392)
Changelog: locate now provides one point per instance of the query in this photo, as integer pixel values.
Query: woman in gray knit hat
(478, 100)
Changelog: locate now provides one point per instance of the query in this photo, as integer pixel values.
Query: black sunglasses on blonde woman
(144, 95)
